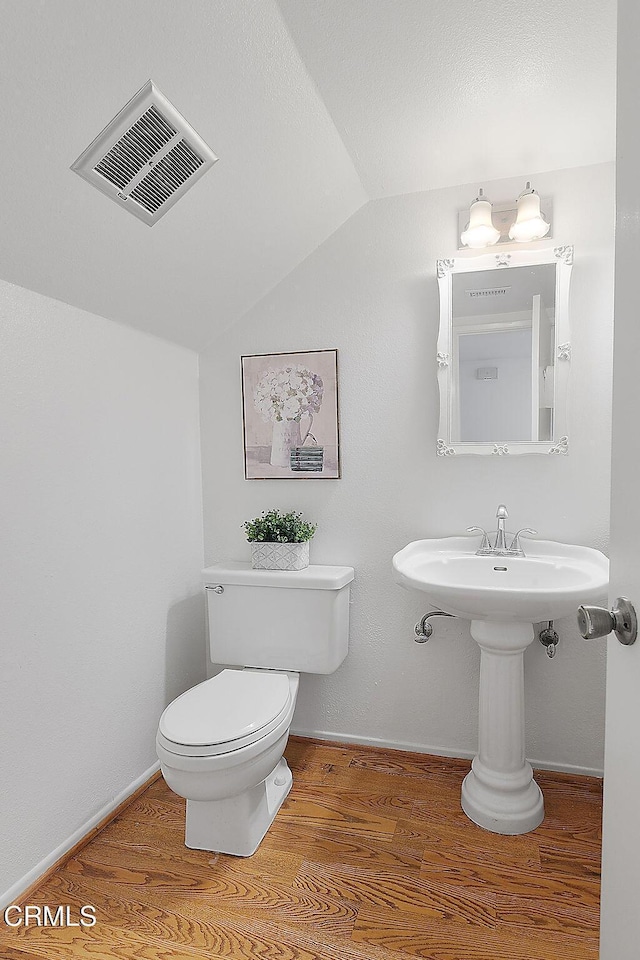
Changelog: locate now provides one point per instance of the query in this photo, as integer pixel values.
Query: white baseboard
(438, 751)
(14, 892)
(566, 768)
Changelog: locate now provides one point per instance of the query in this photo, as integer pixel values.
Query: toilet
(221, 744)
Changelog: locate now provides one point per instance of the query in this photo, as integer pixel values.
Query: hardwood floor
(371, 857)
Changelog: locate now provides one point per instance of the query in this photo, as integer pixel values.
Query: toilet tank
(279, 619)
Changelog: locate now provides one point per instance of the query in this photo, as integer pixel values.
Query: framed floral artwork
(290, 416)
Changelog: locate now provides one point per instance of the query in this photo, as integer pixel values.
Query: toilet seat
(227, 712)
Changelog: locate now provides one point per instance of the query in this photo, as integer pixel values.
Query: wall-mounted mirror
(504, 352)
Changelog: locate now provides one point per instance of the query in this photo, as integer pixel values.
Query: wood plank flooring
(370, 858)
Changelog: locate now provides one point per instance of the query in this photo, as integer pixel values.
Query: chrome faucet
(499, 546)
(501, 515)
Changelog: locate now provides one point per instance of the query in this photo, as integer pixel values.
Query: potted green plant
(279, 541)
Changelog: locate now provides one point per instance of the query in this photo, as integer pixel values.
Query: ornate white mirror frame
(562, 257)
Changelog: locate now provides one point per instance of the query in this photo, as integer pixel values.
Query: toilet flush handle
(216, 589)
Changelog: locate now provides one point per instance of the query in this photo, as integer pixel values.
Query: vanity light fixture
(523, 220)
(480, 231)
(529, 223)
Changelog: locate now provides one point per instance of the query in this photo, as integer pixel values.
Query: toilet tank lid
(314, 577)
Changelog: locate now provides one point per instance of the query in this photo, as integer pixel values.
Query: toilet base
(236, 825)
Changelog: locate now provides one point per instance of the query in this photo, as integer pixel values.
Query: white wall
(371, 291)
(100, 557)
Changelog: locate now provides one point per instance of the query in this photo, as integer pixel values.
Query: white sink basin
(549, 583)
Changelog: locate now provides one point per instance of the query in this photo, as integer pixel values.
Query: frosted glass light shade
(529, 223)
(480, 231)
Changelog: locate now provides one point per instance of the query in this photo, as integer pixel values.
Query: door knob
(596, 622)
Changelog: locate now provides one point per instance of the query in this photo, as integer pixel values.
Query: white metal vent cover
(489, 292)
(147, 157)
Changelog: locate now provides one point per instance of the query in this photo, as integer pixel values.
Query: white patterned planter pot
(279, 556)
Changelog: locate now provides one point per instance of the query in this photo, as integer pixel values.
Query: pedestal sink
(503, 597)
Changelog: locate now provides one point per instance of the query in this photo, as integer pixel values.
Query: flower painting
(290, 413)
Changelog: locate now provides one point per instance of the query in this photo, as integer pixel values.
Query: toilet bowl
(221, 747)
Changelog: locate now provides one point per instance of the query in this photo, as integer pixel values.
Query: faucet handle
(515, 543)
(502, 513)
(485, 545)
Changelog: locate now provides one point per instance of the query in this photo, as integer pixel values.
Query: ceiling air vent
(147, 157)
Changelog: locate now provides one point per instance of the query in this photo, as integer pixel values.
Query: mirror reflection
(502, 354)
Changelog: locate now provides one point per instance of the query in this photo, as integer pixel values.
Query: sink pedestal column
(500, 793)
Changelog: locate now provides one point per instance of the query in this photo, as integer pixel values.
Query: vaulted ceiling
(313, 107)
(433, 93)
